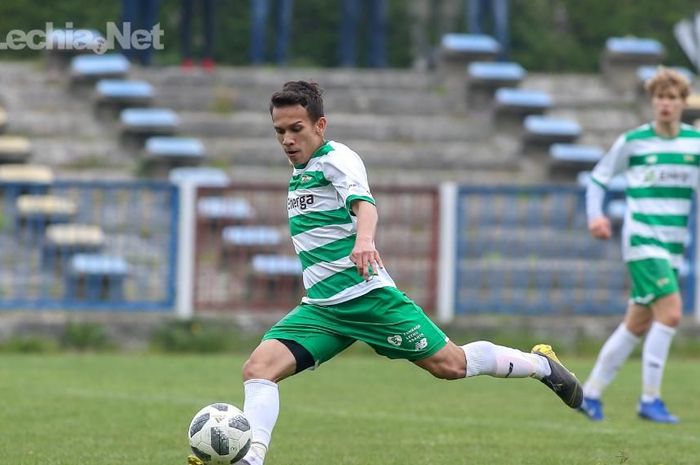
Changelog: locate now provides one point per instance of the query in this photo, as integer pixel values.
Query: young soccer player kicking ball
(349, 294)
(660, 161)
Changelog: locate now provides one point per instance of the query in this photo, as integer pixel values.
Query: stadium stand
(96, 277)
(112, 96)
(622, 56)
(483, 78)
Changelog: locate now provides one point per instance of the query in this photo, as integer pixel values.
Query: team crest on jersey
(689, 157)
(651, 159)
(395, 340)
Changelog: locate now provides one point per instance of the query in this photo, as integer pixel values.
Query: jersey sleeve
(347, 173)
(614, 162)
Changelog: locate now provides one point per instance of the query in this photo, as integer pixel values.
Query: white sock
(486, 358)
(612, 355)
(654, 355)
(261, 408)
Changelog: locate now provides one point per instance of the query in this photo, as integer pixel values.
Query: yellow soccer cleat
(192, 460)
(560, 380)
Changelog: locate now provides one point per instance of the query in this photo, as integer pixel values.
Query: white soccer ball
(219, 434)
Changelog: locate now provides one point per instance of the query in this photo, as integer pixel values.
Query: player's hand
(600, 228)
(366, 257)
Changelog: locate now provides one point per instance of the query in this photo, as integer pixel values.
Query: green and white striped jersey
(322, 227)
(661, 174)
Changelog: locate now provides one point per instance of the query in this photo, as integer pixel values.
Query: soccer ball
(219, 434)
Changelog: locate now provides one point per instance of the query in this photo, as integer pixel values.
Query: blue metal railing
(136, 224)
(527, 250)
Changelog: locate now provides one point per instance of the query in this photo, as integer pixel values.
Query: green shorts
(651, 278)
(388, 321)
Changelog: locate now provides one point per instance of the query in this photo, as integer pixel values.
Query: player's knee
(252, 369)
(671, 319)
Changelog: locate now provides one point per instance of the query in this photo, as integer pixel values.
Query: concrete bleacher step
(389, 154)
(343, 126)
(218, 99)
(68, 151)
(272, 78)
(578, 90)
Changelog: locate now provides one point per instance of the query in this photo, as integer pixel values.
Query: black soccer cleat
(561, 381)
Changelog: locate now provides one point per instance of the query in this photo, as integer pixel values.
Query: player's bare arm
(365, 254)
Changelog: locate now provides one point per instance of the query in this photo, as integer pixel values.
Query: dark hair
(306, 94)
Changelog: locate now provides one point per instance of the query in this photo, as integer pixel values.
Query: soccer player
(660, 161)
(349, 294)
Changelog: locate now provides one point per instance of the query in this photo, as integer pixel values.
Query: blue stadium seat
(276, 265)
(251, 236)
(522, 101)
(96, 277)
(547, 129)
(175, 148)
(93, 67)
(226, 208)
(577, 156)
(150, 120)
(468, 47)
(134, 92)
(495, 74)
(646, 72)
(634, 47)
(204, 176)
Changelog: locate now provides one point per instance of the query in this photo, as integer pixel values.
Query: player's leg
(299, 341)
(400, 329)
(615, 351)
(485, 358)
(667, 315)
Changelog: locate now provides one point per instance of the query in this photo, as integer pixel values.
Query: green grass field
(135, 409)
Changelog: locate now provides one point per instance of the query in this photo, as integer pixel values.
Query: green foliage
(551, 35)
(85, 336)
(201, 337)
(28, 344)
